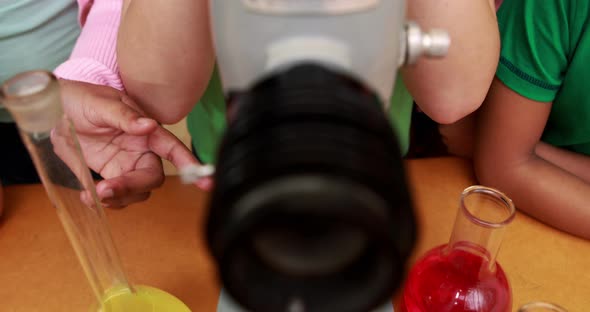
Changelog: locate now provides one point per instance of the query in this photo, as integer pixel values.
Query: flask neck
(484, 213)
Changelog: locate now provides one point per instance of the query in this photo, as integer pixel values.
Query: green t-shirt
(35, 35)
(207, 121)
(546, 57)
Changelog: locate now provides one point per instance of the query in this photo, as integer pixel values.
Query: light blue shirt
(35, 34)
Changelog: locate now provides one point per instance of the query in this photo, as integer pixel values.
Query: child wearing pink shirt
(119, 142)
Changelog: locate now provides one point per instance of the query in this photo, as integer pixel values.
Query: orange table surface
(161, 245)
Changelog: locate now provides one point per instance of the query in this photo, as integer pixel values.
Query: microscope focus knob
(433, 44)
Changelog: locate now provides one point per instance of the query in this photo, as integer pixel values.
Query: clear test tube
(34, 101)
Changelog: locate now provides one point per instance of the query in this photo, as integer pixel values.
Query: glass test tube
(34, 101)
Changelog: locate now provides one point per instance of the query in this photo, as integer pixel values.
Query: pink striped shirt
(94, 58)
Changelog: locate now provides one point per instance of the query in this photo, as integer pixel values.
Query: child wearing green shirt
(534, 127)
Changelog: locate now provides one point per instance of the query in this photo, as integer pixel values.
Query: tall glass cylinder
(464, 275)
(34, 100)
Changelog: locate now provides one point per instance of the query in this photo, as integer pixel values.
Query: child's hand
(121, 144)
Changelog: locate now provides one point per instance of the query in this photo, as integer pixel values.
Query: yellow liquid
(145, 299)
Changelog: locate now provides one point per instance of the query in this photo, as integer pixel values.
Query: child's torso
(569, 121)
(35, 35)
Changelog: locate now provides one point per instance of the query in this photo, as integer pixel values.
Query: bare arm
(510, 126)
(449, 89)
(575, 163)
(165, 55)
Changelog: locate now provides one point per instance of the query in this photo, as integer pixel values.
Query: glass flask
(34, 101)
(464, 275)
(539, 306)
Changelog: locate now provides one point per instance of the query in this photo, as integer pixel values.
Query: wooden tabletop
(160, 245)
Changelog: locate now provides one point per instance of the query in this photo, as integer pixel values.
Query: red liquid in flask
(456, 279)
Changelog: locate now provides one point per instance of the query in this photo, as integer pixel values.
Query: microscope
(311, 210)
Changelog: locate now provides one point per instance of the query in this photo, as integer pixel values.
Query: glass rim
(4, 88)
(491, 192)
(541, 304)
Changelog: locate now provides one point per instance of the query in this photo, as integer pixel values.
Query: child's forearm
(575, 163)
(165, 55)
(542, 190)
(448, 89)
